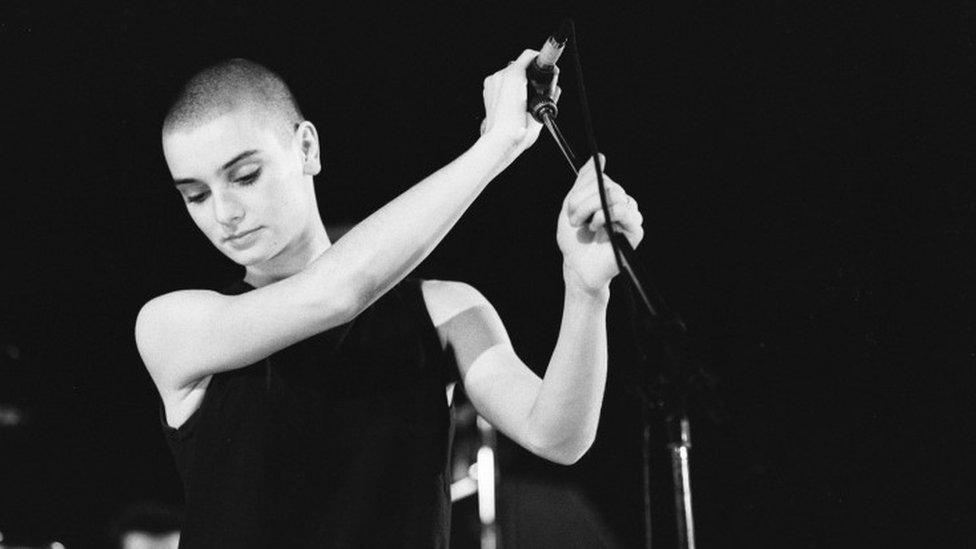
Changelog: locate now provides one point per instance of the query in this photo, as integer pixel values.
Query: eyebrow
(227, 165)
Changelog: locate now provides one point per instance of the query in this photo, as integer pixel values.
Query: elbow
(349, 307)
(351, 304)
(564, 458)
(342, 301)
(333, 308)
(566, 452)
(571, 455)
(358, 293)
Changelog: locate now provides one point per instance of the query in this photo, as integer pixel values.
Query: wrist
(577, 289)
(499, 144)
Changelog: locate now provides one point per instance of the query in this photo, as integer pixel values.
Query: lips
(238, 236)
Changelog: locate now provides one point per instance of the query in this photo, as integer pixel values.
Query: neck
(295, 257)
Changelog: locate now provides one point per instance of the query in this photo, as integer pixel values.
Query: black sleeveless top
(341, 440)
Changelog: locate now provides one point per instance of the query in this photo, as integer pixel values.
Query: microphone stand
(663, 322)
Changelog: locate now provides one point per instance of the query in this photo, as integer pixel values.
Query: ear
(308, 143)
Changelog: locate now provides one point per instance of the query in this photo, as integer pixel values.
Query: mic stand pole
(543, 108)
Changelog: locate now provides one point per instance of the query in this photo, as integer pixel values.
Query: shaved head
(230, 85)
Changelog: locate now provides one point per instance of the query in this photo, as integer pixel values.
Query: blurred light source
(486, 485)
(10, 416)
(12, 351)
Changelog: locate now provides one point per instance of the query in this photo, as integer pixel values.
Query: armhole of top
(186, 428)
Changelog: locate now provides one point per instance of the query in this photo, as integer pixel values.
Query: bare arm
(555, 417)
(187, 335)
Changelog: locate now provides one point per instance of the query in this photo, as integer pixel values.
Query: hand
(588, 261)
(505, 94)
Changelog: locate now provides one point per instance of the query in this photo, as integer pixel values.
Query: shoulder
(164, 309)
(179, 303)
(446, 299)
(159, 320)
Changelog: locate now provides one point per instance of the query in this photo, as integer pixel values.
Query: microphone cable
(662, 321)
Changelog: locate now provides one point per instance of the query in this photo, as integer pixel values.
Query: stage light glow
(486, 485)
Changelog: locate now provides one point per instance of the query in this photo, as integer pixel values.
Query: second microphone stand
(664, 323)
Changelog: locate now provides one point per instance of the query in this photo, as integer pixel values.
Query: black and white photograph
(487, 275)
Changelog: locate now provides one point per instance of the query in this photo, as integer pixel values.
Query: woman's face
(245, 183)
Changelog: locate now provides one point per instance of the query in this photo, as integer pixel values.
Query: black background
(805, 171)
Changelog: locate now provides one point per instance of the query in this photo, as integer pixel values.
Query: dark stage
(805, 171)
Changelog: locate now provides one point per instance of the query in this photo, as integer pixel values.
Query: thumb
(588, 167)
(522, 63)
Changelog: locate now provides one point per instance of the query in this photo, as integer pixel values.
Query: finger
(633, 236)
(583, 200)
(579, 209)
(628, 221)
(588, 184)
(586, 176)
(626, 215)
(522, 62)
(533, 126)
(621, 211)
(587, 168)
(556, 93)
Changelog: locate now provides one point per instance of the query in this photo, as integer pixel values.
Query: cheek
(201, 220)
(288, 207)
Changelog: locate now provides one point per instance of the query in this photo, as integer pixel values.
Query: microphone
(542, 72)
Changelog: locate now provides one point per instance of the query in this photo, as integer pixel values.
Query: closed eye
(249, 178)
(197, 197)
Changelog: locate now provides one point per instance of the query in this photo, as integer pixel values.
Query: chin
(245, 258)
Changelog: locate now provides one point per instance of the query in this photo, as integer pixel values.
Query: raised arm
(554, 417)
(187, 335)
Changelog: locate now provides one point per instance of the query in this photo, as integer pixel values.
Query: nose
(228, 209)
